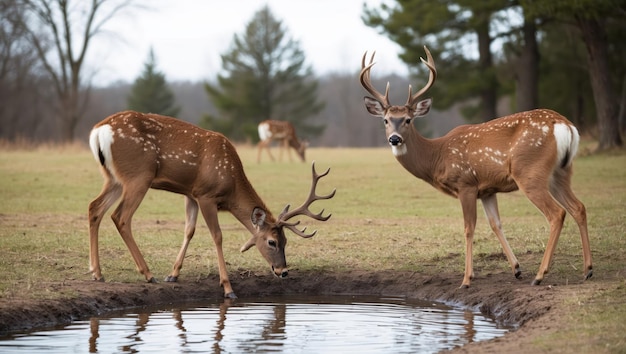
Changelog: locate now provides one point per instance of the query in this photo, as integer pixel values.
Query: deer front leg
(490, 204)
(468, 204)
(209, 212)
(191, 217)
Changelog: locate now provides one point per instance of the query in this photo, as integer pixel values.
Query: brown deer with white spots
(283, 132)
(531, 151)
(139, 151)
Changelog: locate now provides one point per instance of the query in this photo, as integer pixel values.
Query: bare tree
(21, 89)
(60, 32)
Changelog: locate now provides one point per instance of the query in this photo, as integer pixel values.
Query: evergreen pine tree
(150, 93)
(265, 77)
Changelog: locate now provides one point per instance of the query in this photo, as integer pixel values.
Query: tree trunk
(488, 94)
(68, 115)
(622, 108)
(527, 75)
(603, 93)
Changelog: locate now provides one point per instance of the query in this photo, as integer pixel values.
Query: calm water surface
(336, 324)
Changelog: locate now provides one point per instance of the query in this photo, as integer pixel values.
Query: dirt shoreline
(511, 301)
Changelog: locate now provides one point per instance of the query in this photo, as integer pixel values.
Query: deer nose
(395, 140)
(281, 273)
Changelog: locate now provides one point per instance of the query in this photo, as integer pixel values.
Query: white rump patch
(264, 131)
(567, 139)
(398, 150)
(101, 139)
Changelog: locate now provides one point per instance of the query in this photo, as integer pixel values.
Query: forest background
(494, 57)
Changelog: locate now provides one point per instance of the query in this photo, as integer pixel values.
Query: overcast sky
(188, 37)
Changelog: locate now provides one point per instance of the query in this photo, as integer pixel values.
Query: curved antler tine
(408, 100)
(246, 246)
(285, 215)
(366, 82)
(323, 218)
(301, 233)
(328, 196)
(285, 210)
(315, 174)
(295, 230)
(371, 59)
(387, 94)
(430, 64)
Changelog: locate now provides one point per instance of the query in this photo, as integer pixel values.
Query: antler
(431, 79)
(304, 208)
(366, 81)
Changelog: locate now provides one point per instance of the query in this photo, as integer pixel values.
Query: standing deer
(139, 151)
(531, 151)
(284, 133)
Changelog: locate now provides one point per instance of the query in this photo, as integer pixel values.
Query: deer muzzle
(280, 272)
(395, 140)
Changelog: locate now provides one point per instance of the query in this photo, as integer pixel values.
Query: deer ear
(374, 107)
(258, 220)
(422, 107)
(258, 217)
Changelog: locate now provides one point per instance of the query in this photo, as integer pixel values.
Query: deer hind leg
(538, 193)
(264, 144)
(209, 212)
(132, 196)
(490, 204)
(282, 145)
(268, 147)
(259, 151)
(110, 193)
(191, 217)
(468, 204)
(288, 149)
(560, 188)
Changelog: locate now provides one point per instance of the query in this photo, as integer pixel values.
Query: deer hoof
(230, 295)
(464, 286)
(518, 274)
(536, 282)
(589, 274)
(101, 279)
(171, 279)
(152, 280)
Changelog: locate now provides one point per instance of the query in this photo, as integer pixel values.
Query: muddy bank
(510, 301)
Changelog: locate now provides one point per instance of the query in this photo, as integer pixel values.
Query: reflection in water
(289, 324)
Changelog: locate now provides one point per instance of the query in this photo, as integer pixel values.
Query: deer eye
(271, 243)
(408, 121)
(385, 121)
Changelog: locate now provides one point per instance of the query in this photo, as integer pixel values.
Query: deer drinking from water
(531, 151)
(283, 132)
(139, 151)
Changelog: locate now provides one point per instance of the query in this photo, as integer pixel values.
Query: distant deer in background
(532, 151)
(283, 132)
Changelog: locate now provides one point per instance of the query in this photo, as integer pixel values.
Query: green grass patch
(383, 218)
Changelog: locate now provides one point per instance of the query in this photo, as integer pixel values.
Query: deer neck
(418, 156)
(244, 202)
(294, 143)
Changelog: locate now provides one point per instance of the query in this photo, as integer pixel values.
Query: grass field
(383, 218)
